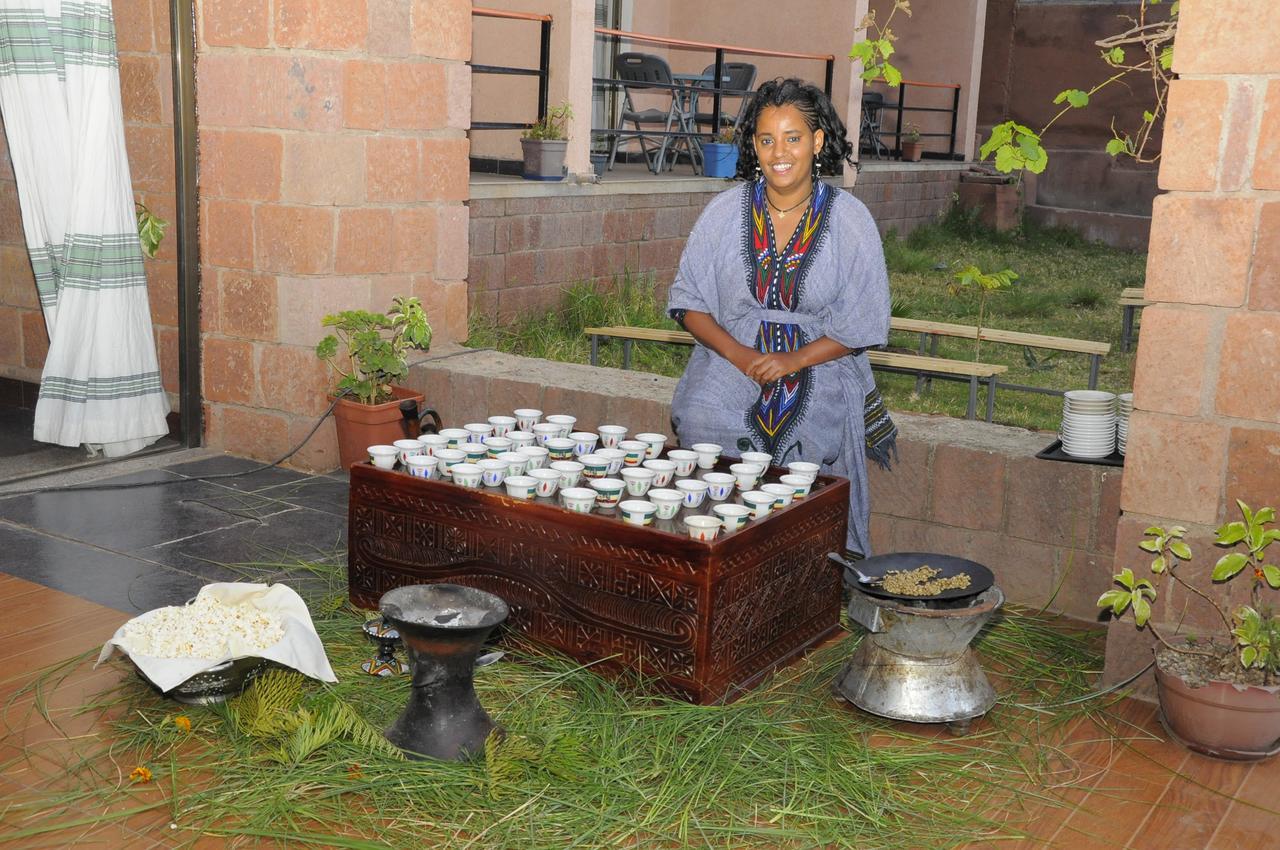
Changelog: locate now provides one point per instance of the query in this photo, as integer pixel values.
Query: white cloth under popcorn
(299, 648)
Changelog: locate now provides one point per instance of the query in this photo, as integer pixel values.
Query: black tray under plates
(1055, 452)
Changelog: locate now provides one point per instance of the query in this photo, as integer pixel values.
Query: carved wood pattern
(702, 624)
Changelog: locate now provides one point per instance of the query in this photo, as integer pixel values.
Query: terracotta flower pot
(911, 151)
(364, 425)
(1221, 719)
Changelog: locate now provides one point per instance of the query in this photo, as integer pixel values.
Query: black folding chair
(869, 130)
(738, 79)
(647, 74)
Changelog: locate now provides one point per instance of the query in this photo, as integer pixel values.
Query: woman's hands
(767, 368)
(761, 368)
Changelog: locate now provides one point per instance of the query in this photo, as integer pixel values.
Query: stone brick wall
(1206, 428)
(333, 171)
(142, 38)
(963, 488)
(528, 242)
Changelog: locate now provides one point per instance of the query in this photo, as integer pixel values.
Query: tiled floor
(73, 565)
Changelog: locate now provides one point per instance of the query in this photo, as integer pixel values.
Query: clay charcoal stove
(916, 663)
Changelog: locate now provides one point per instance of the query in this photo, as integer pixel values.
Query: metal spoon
(863, 578)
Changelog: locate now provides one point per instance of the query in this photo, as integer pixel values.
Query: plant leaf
(1272, 574)
(1228, 565)
(1180, 549)
(1115, 147)
(1141, 611)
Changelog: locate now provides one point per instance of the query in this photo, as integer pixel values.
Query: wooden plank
(1133, 292)
(1060, 343)
(937, 365)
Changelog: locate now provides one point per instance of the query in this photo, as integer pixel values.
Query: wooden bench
(930, 332)
(1131, 299)
(955, 370)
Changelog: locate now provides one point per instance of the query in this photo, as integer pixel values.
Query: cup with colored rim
(520, 439)
(467, 475)
(421, 466)
(502, 425)
(684, 460)
(638, 479)
(477, 431)
(578, 499)
(763, 458)
(527, 417)
(493, 471)
(759, 502)
(520, 486)
(719, 485)
(608, 491)
(610, 435)
(406, 449)
(561, 448)
(476, 452)
(747, 474)
(548, 481)
(544, 431)
(805, 468)
(668, 501)
(704, 528)
(517, 464)
(663, 471)
(456, 436)
(708, 454)
(570, 471)
(635, 450)
(449, 458)
(383, 457)
(799, 484)
(616, 459)
(654, 443)
(694, 491)
(782, 494)
(564, 421)
(594, 466)
(431, 442)
(537, 456)
(732, 516)
(637, 511)
(584, 442)
(497, 445)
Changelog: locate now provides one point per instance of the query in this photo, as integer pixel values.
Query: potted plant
(544, 144)
(367, 354)
(911, 144)
(1220, 696)
(720, 156)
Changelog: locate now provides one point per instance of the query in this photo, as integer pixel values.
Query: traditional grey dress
(829, 280)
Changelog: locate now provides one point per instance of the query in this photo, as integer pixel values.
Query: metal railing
(716, 91)
(542, 72)
(900, 107)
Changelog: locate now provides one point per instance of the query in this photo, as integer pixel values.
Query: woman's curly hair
(818, 113)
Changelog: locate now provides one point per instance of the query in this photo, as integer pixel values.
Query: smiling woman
(783, 284)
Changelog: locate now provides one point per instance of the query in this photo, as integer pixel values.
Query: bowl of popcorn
(213, 646)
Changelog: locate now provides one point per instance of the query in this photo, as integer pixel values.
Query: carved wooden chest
(705, 621)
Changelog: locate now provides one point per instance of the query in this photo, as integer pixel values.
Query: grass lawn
(1066, 287)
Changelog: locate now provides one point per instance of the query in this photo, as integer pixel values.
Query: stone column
(1206, 428)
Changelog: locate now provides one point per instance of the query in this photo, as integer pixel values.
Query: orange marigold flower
(354, 772)
(182, 722)
(140, 774)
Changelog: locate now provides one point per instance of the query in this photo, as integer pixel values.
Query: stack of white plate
(1124, 406)
(1088, 423)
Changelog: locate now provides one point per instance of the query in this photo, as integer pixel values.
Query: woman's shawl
(838, 288)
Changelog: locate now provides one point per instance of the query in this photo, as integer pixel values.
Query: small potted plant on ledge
(911, 144)
(1219, 695)
(720, 156)
(544, 144)
(367, 354)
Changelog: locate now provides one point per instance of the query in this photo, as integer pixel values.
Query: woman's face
(785, 147)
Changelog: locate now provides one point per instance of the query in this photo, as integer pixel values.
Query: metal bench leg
(1126, 328)
(991, 397)
(973, 398)
(924, 338)
(933, 352)
(1095, 361)
(595, 349)
(626, 354)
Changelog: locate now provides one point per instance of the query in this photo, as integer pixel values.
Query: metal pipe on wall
(182, 30)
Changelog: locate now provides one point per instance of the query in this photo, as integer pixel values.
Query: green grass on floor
(587, 761)
(1066, 287)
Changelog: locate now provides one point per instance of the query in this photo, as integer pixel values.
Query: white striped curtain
(60, 99)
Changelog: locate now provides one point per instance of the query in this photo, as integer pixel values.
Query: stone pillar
(333, 175)
(852, 107)
(1206, 428)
